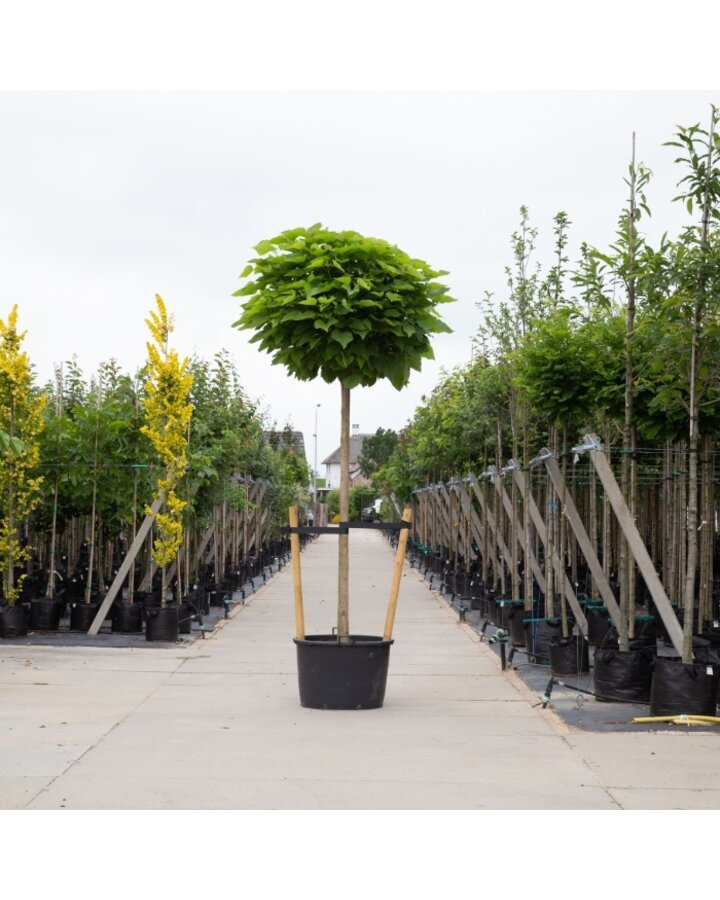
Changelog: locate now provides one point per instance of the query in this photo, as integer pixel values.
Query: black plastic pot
(503, 611)
(185, 614)
(14, 621)
(161, 623)
(599, 624)
(516, 625)
(538, 635)
(127, 617)
(683, 688)
(342, 676)
(45, 615)
(624, 676)
(569, 656)
(82, 615)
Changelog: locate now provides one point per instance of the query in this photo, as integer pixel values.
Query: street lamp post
(317, 407)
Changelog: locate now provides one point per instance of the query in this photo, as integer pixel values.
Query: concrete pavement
(218, 724)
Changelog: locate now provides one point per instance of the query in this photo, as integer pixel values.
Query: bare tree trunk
(693, 440)
(706, 531)
(527, 527)
(551, 517)
(343, 619)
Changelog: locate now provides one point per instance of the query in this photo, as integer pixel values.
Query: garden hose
(679, 720)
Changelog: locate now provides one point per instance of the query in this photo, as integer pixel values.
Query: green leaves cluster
(562, 355)
(342, 306)
(376, 450)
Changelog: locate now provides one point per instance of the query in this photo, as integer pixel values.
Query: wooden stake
(129, 560)
(297, 579)
(397, 575)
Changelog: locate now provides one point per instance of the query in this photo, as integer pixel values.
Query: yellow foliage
(21, 418)
(167, 417)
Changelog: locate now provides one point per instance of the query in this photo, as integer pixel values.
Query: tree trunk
(343, 616)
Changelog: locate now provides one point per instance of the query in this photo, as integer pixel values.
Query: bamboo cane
(397, 574)
(297, 579)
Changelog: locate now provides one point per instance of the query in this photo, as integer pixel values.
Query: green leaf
(342, 337)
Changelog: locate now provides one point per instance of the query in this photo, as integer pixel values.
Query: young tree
(167, 414)
(348, 308)
(21, 419)
(699, 280)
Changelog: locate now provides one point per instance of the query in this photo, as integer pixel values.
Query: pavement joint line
(102, 737)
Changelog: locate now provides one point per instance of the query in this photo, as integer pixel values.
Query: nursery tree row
(623, 343)
(80, 469)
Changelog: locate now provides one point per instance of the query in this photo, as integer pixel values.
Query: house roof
(293, 440)
(356, 445)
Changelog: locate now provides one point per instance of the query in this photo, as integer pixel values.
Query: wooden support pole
(297, 579)
(124, 568)
(397, 575)
(492, 522)
(541, 529)
(534, 565)
(470, 515)
(635, 543)
(442, 507)
(573, 517)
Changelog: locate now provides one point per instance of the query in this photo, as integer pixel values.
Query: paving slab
(217, 723)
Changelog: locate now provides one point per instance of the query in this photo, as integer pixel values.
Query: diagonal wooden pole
(541, 529)
(573, 517)
(507, 504)
(297, 579)
(397, 575)
(124, 568)
(635, 542)
(492, 522)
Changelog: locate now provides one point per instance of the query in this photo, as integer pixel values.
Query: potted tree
(21, 421)
(167, 415)
(350, 309)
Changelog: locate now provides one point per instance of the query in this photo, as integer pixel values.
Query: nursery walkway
(218, 724)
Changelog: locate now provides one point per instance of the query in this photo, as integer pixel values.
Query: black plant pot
(82, 615)
(14, 621)
(504, 610)
(599, 624)
(45, 615)
(516, 625)
(569, 656)
(185, 614)
(342, 676)
(161, 623)
(538, 635)
(683, 688)
(624, 676)
(127, 617)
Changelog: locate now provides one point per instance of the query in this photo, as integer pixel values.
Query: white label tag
(709, 670)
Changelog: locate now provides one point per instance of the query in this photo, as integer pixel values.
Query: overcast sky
(115, 187)
(108, 198)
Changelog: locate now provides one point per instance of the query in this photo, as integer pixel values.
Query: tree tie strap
(344, 527)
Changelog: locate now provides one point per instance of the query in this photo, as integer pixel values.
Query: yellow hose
(679, 720)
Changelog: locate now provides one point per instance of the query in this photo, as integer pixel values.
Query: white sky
(108, 198)
(113, 190)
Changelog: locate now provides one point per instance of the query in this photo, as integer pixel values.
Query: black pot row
(670, 686)
(162, 623)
